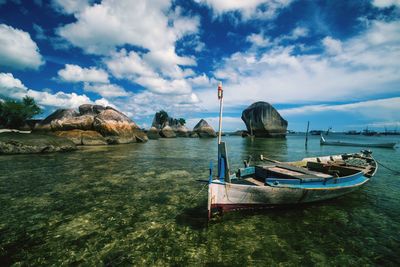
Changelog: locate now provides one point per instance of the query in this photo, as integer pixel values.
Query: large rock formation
(153, 133)
(20, 143)
(56, 119)
(165, 124)
(116, 127)
(262, 120)
(93, 124)
(167, 132)
(80, 137)
(182, 131)
(203, 129)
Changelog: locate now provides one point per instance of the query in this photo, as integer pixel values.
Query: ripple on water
(135, 205)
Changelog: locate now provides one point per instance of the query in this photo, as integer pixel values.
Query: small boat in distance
(316, 132)
(352, 132)
(323, 142)
(368, 132)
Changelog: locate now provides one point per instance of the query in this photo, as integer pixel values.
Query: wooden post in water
(308, 126)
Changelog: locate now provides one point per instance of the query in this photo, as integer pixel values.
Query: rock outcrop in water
(167, 127)
(203, 129)
(262, 120)
(153, 133)
(80, 137)
(21, 143)
(93, 125)
(167, 132)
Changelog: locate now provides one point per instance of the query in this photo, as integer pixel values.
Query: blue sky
(333, 63)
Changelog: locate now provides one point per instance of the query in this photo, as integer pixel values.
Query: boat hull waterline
(295, 186)
(228, 196)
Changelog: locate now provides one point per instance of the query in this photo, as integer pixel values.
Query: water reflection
(140, 204)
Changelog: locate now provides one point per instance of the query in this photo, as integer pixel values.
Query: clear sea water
(140, 204)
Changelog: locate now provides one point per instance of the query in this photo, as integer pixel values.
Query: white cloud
(39, 32)
(250, 9)
(7, 81)
(128, 65)
(141, 23)
(261, 40)
(18, 50)
(365, 66)
(59, 99)
(299, 32)
(155, 26)
(75, 73)
(70, 6)
(385, 3)
(105, 90)
(145, 104)
(14, 88)
(136, 68)
(162, 86)
(258, 40)
(332, 46)
(382, 109)
(104, 102)
(202, 81)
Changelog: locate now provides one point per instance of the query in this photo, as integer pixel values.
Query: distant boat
(316, 132)
(367, 132)
(323, 142)
(278, 183)
(352, 132)
(390, 132)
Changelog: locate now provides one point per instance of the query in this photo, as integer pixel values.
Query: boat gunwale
(366, 179)
(326, 186)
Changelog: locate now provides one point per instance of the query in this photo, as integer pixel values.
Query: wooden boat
(278, 183)
(340, 143)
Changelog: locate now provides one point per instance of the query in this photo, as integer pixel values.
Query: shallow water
(140, 204)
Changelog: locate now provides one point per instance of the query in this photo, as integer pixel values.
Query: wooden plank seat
(254, 181)
(333, 167)
(280, 170)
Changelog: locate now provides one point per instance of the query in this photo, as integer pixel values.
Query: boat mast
(221, 104)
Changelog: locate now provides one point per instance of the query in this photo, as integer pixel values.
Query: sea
(143, 205)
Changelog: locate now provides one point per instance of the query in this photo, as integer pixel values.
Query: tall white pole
(221, 104)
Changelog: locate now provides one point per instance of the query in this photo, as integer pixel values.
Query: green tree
(14, 113)
(182, 121)
(163, 116)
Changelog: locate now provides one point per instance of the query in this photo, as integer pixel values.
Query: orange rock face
(93, 125)
(80, 137)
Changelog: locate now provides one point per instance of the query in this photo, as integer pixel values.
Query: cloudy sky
(333, 63)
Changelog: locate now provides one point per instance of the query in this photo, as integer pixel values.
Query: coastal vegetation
(14, 113)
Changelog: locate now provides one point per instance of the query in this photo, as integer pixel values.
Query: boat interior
(329, 169)
(300, 172)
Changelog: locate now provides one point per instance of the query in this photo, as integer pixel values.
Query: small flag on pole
(220, 92)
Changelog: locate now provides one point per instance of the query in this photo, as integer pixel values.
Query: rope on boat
(386, 167)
